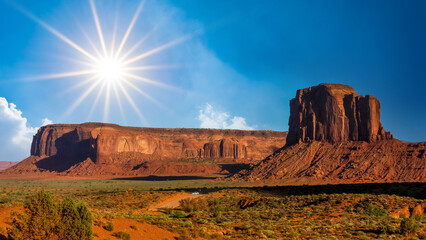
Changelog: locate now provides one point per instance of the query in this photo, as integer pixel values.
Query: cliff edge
(335, 136)
(334, 113)
(98, 149)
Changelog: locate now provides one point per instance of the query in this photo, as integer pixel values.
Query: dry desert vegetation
(361, 211)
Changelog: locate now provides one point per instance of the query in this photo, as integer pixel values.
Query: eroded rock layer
(335, 135)
(346, 162)
(92, 149)
(334, 113)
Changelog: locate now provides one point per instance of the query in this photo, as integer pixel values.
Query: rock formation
(347, 162)
(335, 135)
(334, 113)
(92, 149)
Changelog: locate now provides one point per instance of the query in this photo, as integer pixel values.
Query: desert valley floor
(199, 208)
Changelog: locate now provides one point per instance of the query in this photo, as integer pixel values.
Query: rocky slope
(96, 149)
(335, 135)
(351, 161)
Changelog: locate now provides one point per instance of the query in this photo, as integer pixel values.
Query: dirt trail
(173, 201)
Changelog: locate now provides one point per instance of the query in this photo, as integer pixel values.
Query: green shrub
(179, 214)
(68, 224)
(39, 220)
(409, 226)
(109, 227)
(191, 205)
(122, 235)
(375, 211)
(44, 219)
(215, 206)
(385, 227)
(5, 200)
(85, 230)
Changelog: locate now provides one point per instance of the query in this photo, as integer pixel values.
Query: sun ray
(88, 64)
(84, 32)
(145, 37)
(158, 49)
(129, 29)
(151, 67)
(98, 96)
(134, 47)
(53, 31)
(82, 83)
(132, 103)
(119, 103)
(145, 94)
(98, 26)
(81, 98)
(106, 106)
(112, 72)
(60, 75)
(92, 44)
(114, 32)
(147, 80)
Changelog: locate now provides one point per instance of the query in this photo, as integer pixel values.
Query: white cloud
(211, 118)
(15, 133)
(46, 121)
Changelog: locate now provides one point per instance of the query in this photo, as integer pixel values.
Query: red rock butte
(97, 149)
(334, 113)
(335, 136)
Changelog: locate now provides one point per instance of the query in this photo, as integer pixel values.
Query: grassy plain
(237, 210)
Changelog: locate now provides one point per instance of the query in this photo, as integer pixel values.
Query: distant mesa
(335, 136)
(5, 165)
(97, 149)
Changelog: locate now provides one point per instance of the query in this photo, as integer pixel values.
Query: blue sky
(239, 65)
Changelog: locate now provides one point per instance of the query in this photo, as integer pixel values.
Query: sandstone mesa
(97, 149)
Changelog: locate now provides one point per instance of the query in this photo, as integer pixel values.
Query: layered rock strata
(102, 149)
(321, 162)
(334, 113)
(335, 135)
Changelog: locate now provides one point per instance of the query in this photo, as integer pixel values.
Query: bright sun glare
(111, 66)
(110, 70)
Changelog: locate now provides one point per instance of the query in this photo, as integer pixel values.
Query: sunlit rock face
(102, 140)
(335, 136)
(102, 149)
(334, 113)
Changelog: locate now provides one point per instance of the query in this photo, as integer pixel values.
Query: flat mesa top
(93, 125)
(334, 89)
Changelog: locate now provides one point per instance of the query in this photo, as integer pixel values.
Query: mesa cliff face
(334, 113)
(335, 135)
(106, 149)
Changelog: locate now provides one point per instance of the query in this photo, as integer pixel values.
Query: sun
(110, 70)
